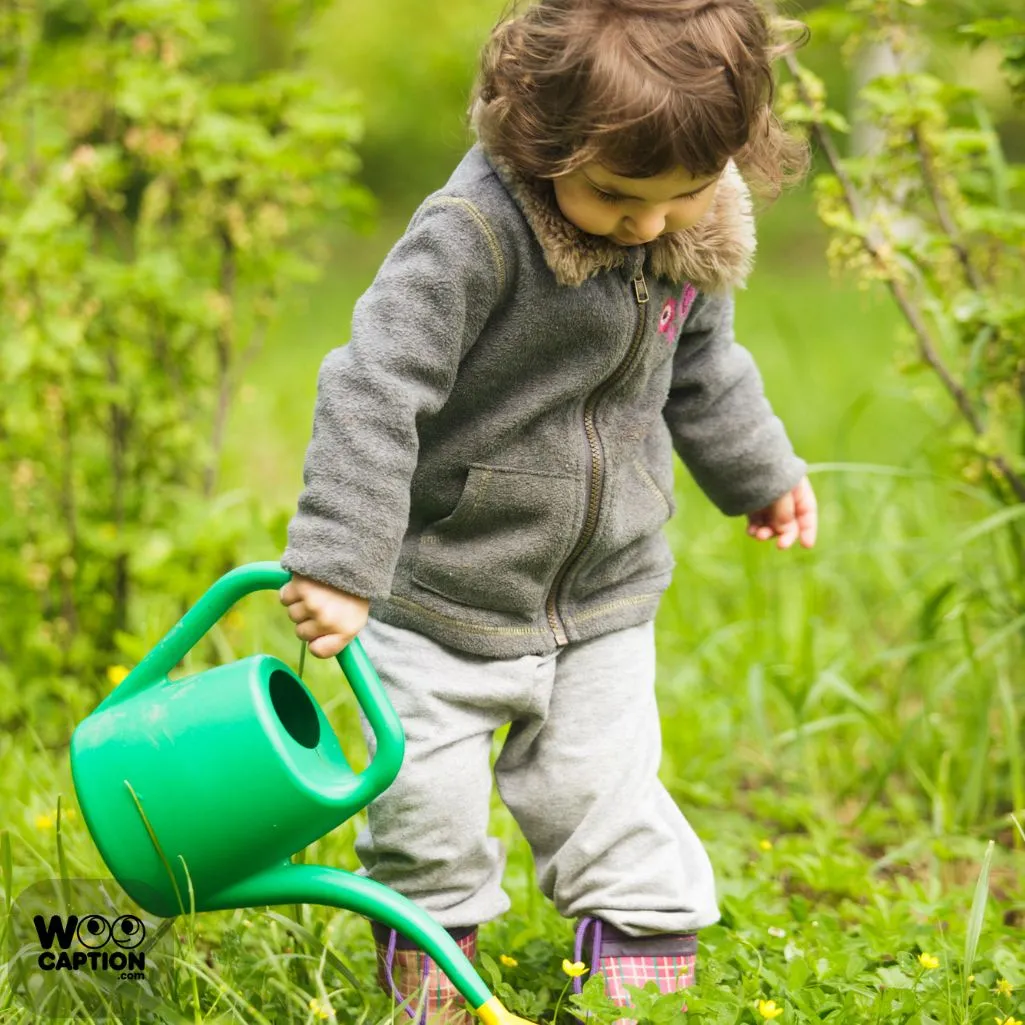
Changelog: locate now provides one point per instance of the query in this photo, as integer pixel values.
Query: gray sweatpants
(578, 771)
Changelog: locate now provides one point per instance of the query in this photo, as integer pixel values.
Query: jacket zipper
(597, 469)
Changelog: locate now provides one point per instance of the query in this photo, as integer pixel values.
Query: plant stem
(69, 610)
(879, 249)
(946, 218)
(225, 345)
(558, 1003)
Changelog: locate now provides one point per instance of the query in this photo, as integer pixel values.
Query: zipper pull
(640, 288)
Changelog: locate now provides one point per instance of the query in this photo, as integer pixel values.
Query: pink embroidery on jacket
(665, 321)
(687, 300)
(675, 311)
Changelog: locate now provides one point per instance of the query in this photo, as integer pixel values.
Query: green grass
(843, 727)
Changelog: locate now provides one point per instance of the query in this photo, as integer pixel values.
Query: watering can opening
(294, 708)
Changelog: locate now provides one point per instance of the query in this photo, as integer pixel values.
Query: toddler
(491, 468)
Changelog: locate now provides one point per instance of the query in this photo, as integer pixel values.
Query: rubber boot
(669, 960)
(408, 974)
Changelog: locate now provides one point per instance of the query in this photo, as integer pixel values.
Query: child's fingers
(329, 645)
(808, 529)
(758, 526)
(788, 534)
(324, 641)
(759, 531)
(807, 515)
(781, 513)
(309, 630)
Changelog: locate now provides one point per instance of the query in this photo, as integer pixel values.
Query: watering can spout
(289, 883)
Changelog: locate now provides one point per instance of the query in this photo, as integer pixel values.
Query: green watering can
(217, 779)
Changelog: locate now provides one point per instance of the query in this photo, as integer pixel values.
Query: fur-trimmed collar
(715, 255)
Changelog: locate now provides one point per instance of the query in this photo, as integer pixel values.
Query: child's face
(633, 211)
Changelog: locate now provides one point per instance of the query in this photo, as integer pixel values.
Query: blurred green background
(826, 349)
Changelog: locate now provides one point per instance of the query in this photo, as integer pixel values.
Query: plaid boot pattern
(669, 960)
(408, 974)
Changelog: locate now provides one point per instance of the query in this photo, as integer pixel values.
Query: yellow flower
(70, 814)
(1004, 988)
(574, 969)
(1007, 1021)
(116, 674)
(320, 1010)
(44, 821)
(927, 961)
(768, 1009)
(766, 845)
(509, 962)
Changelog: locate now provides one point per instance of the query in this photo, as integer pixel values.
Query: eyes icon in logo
(93, 932)
(127, 931)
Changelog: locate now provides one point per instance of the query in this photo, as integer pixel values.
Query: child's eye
(609, 197)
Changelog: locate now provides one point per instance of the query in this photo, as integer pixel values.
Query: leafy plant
(153, 205)
(936, 213)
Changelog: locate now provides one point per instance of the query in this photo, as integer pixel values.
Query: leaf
(302, 933)
(975, 917)
(155, 201)
(494, 973)
(6, 868)
(45, 215)
(994, 28)
(893, 978)
(835, 120)
(800, 971)
(1010, 966)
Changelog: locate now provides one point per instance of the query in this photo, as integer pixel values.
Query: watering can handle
(362, 677)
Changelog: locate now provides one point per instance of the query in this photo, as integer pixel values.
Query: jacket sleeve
(410, 330)
(722, 425)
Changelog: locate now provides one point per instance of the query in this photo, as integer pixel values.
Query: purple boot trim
(578, 947)
(390, 940)
(389, 962)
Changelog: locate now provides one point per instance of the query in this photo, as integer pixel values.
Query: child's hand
(325, 617)
(793, 516)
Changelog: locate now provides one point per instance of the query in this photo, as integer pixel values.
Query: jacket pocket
(629, 545)
(504, 542)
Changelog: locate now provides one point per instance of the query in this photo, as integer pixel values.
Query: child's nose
(646, 226)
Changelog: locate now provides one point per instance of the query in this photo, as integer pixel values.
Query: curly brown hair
(639, 86)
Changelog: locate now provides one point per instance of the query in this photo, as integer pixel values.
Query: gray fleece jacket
(491, 460)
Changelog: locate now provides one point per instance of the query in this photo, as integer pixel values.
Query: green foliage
(937, 212)
(811, 922)
(152, 209)
(1009, 34)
